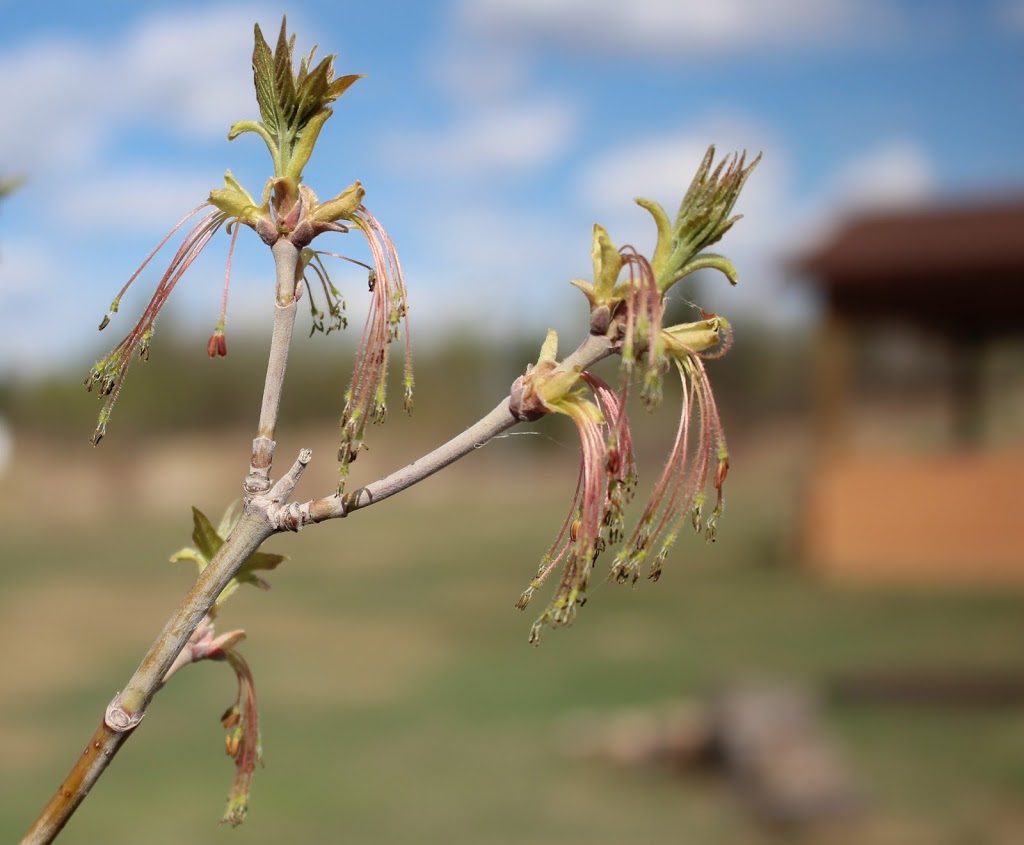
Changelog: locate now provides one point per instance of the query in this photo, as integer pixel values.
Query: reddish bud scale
(217, 345)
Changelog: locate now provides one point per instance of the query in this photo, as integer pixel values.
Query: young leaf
(208, 541)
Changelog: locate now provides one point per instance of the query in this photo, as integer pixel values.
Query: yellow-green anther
(651, 392)
(696, 511)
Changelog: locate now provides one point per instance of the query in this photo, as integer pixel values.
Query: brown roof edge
(950, 242)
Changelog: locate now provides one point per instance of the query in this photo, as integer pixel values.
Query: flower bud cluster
(294, 104)
(627, 307)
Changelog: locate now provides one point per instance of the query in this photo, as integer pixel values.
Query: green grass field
(401, 703)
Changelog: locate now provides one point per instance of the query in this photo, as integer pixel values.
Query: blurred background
(843, 664)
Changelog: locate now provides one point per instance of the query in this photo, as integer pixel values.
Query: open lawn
(401, 703)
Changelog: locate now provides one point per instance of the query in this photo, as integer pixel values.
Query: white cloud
(660, 168)
(502, 271)
(510, 137)
(190, 69)
(40, 314)
(43, 96)
(26, 271)
(139, 200)
(64, 100)
(498, 271)
(68, 103)
(680, 28)
(1010, 13)
(471, 72)
(896, 172)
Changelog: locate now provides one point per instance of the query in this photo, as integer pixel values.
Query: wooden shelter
(949, 514)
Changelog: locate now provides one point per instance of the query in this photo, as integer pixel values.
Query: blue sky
(490, 135)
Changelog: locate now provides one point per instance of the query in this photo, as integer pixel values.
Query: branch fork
(294, 107)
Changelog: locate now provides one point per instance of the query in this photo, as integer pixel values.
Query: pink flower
(606, 478)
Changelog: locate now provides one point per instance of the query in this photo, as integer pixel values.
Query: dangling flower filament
(607, 470)
(681, 486)
(644, 310)
(110, 372)
(218, 345)
(366, 397)
(312, 260)
(242, 741)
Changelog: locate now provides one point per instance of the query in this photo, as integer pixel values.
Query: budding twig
(130, 706)
(498, 421)
(625, 318)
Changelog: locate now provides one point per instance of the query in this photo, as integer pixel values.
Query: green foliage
(703, 218)
(293, 104)
(208, 541)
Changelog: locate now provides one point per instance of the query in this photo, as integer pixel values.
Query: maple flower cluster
(627, 306)
(627, 298)
(294, 104)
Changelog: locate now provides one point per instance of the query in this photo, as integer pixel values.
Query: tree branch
(263, 515)
(129, 706)
(501, 419)
(286, 260)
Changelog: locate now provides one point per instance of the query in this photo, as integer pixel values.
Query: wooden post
(968, 401)
(832, 382)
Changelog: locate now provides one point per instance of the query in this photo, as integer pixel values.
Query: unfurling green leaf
(208, 541)
(294, 105)
(703, 217)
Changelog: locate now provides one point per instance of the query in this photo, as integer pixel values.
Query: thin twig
(499, 420)
(129, 706)
(286, 258)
